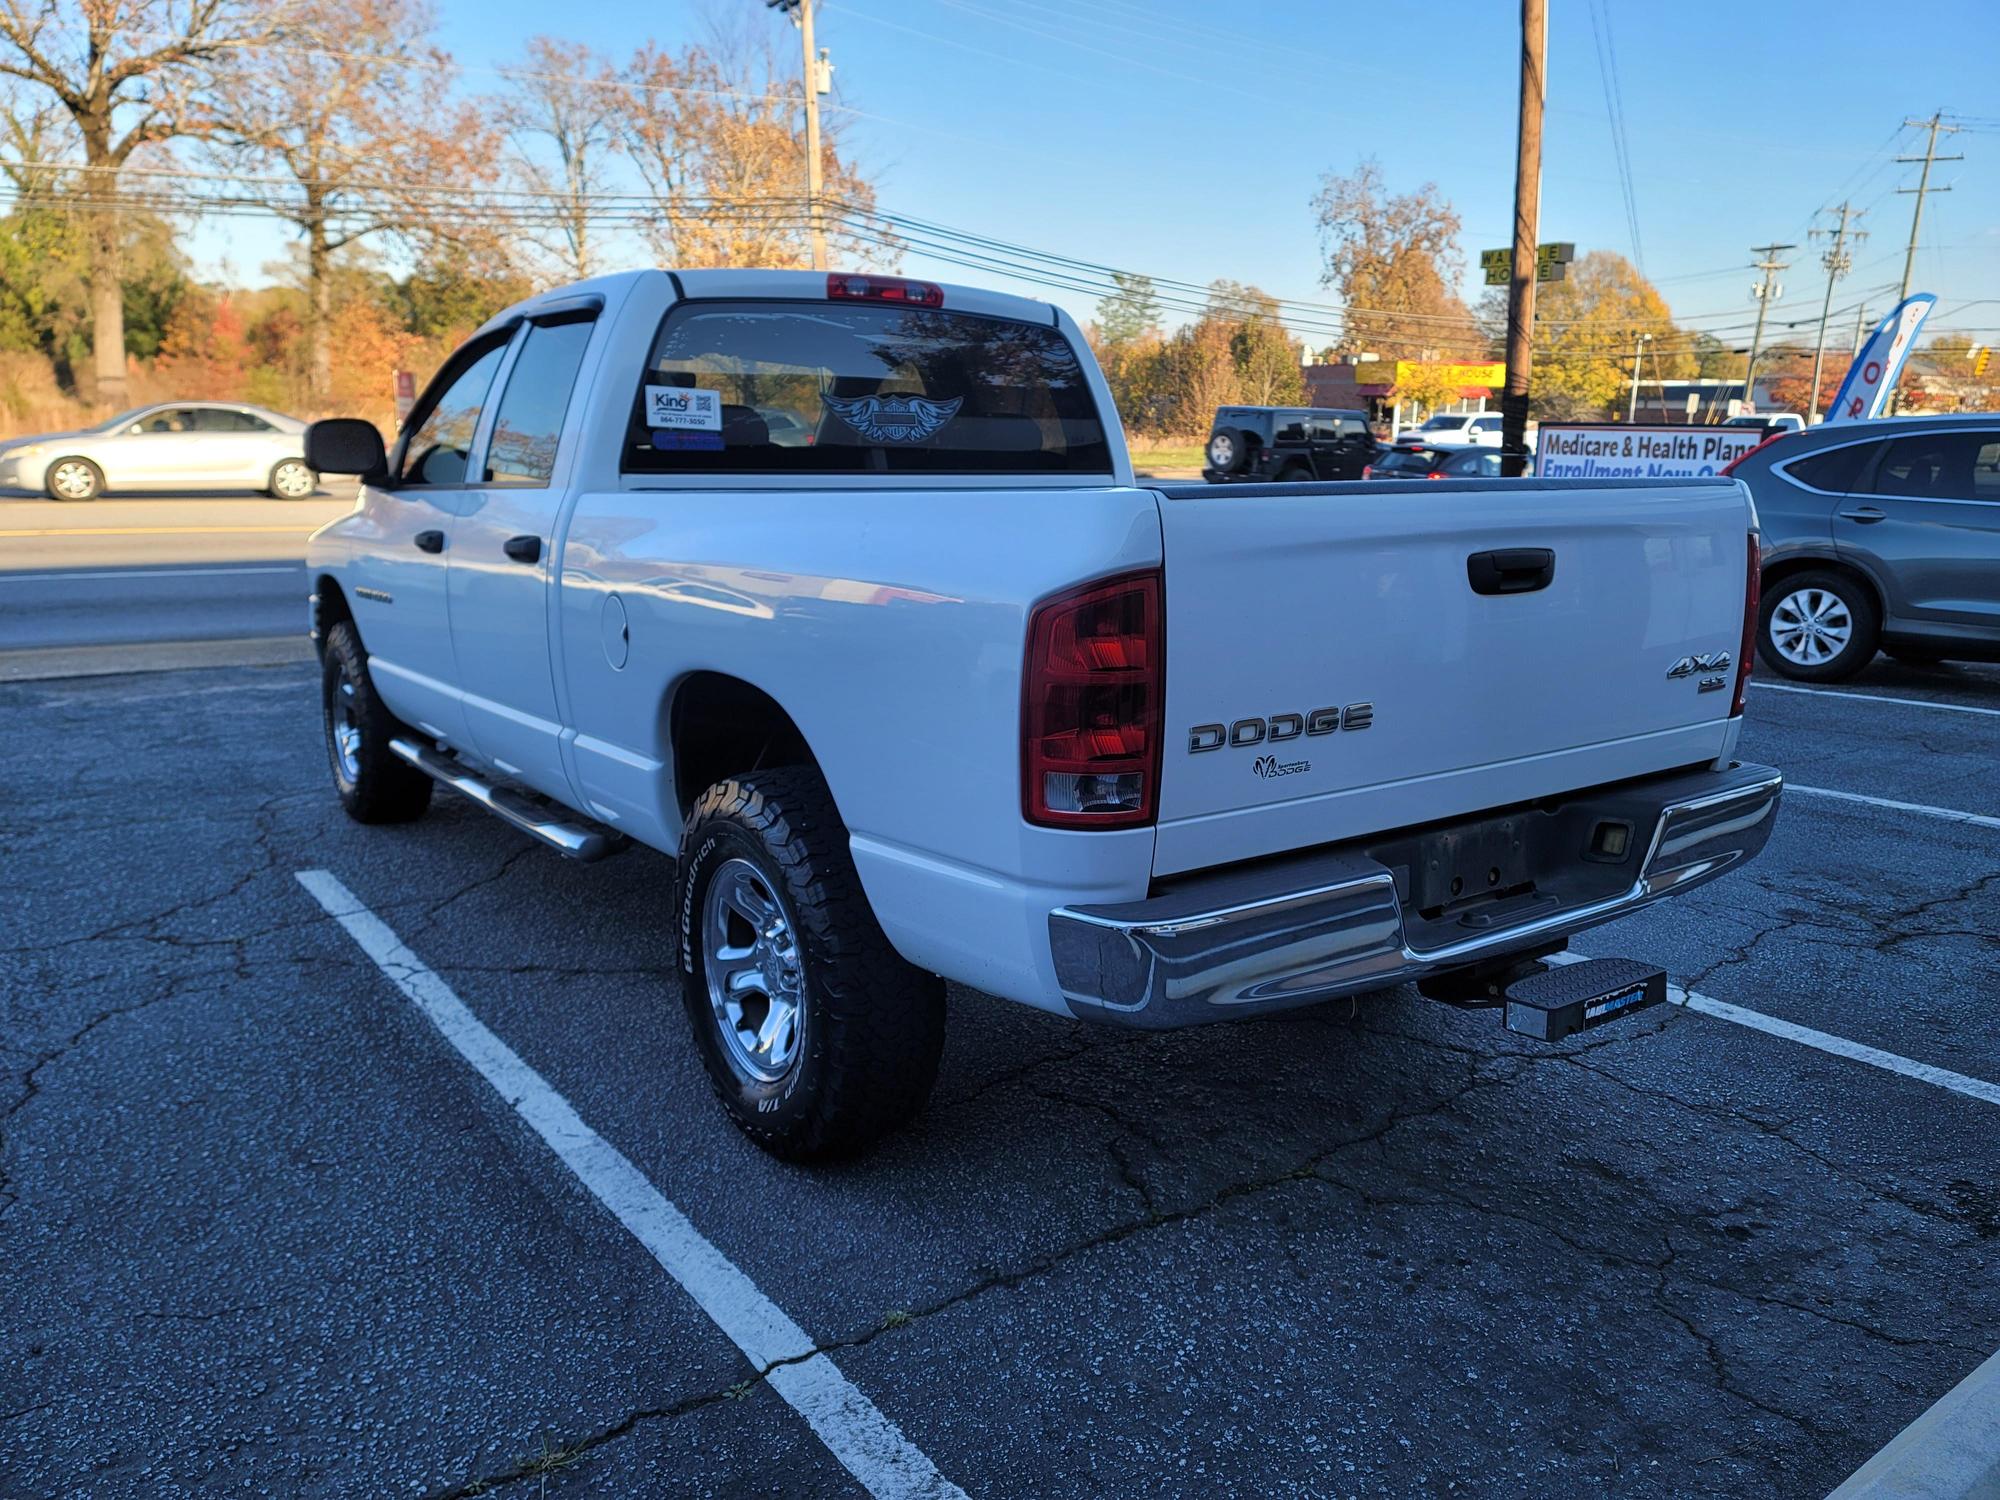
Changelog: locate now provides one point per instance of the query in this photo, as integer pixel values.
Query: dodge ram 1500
(839, 590)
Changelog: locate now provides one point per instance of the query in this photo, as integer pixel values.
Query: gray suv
(1878, 535)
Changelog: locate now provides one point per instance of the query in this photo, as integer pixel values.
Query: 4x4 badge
(1687, 666)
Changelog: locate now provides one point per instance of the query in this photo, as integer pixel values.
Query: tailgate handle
(1513, 570)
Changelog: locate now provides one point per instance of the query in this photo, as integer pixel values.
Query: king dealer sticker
(677, 408)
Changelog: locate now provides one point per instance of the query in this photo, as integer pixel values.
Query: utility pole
(1527, 216)
(1935, 124)
(818, 78)
(1860, 327)
(1838, 263)
(1766, 292)
(1638, 353)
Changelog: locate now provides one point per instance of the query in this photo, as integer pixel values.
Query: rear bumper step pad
(1560, 1002)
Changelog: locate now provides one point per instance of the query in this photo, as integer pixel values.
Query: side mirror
(347, 445)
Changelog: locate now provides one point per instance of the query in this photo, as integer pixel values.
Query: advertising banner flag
(1873, 374)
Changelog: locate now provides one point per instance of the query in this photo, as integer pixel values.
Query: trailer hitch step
(568, 836)
(1559, 1002)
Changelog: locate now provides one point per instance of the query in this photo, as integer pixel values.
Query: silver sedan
(180, 445)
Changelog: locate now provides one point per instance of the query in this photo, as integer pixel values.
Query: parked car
(1878, 535)
(1287, 443)
(178, 445)
(1784, 421)
(1437, 461)
(946, 693)
(1481, 428)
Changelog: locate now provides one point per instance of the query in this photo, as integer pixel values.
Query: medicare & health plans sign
(1639, 450)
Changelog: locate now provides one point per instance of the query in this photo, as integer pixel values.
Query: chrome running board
(577, 840)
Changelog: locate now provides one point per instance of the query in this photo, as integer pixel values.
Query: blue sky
(1185, 139)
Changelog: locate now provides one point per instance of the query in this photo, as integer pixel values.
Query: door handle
(429, 541)
(525, 549)
(1511, 570)
(1867, 515)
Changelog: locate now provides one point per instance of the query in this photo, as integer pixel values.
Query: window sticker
(683, 408)
(707, 442)
(894, 419)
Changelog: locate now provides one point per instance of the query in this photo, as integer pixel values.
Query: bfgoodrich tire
(1818, 626)
(375, 784)
(818, 1037)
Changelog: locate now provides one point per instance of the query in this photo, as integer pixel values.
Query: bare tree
(354, 110)
(563, 120)
(129, 74)
(719, 139)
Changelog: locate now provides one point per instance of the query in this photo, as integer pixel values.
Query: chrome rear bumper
(1331, 922)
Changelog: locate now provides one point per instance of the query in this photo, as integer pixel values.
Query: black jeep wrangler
(1266, 443)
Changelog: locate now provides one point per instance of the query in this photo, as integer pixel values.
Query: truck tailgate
(1348, 658)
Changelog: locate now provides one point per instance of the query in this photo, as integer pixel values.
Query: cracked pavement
(263, 1232)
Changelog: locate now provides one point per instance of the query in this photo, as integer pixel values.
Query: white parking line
(1822, 1041)
(1949, 814)
(129, 574)
(866, 1442)
(1950, 708)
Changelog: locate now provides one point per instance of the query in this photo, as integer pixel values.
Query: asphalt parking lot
(266, 1231)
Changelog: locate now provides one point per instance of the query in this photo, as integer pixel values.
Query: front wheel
(74, 479)
(1818, 627)
(375, 784)
(817, 1036)
(292, 480)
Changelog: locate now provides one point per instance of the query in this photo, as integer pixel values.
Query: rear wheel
(375, 784)
(1819, 626)
(74, 479)
(817, 1036)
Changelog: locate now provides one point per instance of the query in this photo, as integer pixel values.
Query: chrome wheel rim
(346, 725)
(292, 481)
(1810, 627)
(73, 481)
(750, 957)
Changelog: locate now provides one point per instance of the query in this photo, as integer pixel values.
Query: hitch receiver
(1559, 1002)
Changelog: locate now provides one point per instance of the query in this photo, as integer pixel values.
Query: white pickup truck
(839, 590)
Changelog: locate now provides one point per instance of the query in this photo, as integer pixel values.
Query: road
(266, 1229)
(165, 568)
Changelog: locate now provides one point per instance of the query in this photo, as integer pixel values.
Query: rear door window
(1292, 428)
(528, 425)
(1939, 466)
(860, 388)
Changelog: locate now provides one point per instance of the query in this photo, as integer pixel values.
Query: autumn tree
(1131, 312)
(206, 353)
(562, 120)
(128, 74)
(355, 111)
(1265, 359)
(1388, 257)
(1587, 329)
(719, 140)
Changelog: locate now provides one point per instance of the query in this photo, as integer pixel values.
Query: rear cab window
(860, 387)
(1408, 461)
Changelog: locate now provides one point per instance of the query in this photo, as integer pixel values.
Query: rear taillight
(843, 287)
(1090, 705)
(1751, 583)
(1368, 471)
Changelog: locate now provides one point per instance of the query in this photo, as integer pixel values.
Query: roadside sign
(1639, 450)
(1551, 262)
(406, 395)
